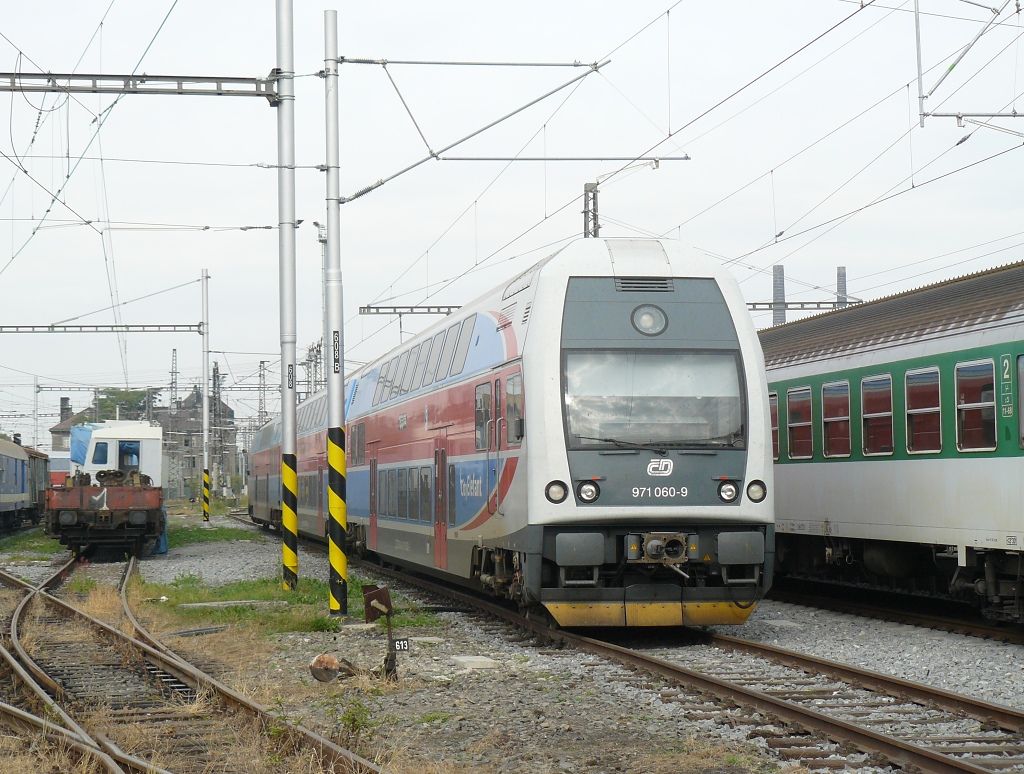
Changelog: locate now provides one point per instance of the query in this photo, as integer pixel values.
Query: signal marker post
(337, 524)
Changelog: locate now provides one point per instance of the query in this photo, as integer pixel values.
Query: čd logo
(660, 467)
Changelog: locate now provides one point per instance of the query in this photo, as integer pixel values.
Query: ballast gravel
(988, 670)
(547, 710)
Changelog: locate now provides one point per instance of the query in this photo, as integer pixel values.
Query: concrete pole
(205, 489)
(337, 525)
(286, 249)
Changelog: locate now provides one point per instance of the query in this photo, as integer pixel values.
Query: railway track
(145, 709)
(821, 714)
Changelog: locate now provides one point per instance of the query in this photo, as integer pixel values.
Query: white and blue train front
(591, 437)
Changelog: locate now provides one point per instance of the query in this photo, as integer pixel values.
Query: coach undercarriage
(988, 580)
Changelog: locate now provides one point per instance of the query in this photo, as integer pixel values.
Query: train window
(99, 454)
(924, 425)
(773, 406)
(382, 493)
(392, 492)
(483, 416)
(402, 507)
(452, 491)
(798, 407)
(975, 406)
(382, 379)
(421, 365)
(359, 444)
(465, 338)
(412, 507)
(514, 409)
(1020, 399)
(876, 414)
(835, 419)
(450, 340)
(435, 355)
(407, 379)
(424, 494)
(396, 380)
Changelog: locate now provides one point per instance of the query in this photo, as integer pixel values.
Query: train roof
(984, 298)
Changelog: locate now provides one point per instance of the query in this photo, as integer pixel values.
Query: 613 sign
(400, 646)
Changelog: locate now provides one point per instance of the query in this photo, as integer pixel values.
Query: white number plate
(661, 492)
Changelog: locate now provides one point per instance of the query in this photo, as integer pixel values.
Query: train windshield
(672, 399)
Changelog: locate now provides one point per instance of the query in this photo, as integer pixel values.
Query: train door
(320, 494)
(494, 469)
(373, 499)
(441, 503)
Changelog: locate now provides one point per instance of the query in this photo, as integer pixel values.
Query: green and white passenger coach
(898, 436)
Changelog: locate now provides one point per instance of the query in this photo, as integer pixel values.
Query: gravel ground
(989, 670)
(557, 710)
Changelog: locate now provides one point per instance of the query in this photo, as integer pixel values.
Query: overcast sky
(824, 134)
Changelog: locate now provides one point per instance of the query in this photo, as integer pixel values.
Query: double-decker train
(591, 437)
(898, 435)
(23, 481)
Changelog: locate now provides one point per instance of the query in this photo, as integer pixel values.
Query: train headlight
(136, 518)
(649, 320)
(556, 491)
(728, 491)
(588, 491)
(67, 518)
(756, 491)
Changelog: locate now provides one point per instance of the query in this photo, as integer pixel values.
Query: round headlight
(756, 491)
(556, 491)
(588, 491)
(728, 491)
(649, 320)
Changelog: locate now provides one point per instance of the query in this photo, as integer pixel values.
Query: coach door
(373, 500)
(441, 503)
(320, 498)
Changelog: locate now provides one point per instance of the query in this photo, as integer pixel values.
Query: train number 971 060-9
(660, 491)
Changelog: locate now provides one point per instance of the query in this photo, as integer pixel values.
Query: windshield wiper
(734, 440)
(626, 444)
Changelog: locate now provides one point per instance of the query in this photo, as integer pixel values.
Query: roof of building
(75, 419)
(984, 298)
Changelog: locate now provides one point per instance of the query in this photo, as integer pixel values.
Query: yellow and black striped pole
(206, 494)
(289, 522)
(337, 525)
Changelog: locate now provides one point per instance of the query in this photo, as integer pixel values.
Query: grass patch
(31, 541)
(80, 584)
(304, 613)
(179, 535)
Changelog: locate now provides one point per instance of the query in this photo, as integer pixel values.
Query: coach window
(99, 454)
(446, 354)
(514, 409)
(425, 494)
(465, 339)
(924, 426)
(798, 401)
(876, 413)
(483, 415)
(835, 419)
(975, 406)
(393, 492)
(773, 407)
(1020, 400)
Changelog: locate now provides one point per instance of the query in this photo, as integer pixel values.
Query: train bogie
(590, 438)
